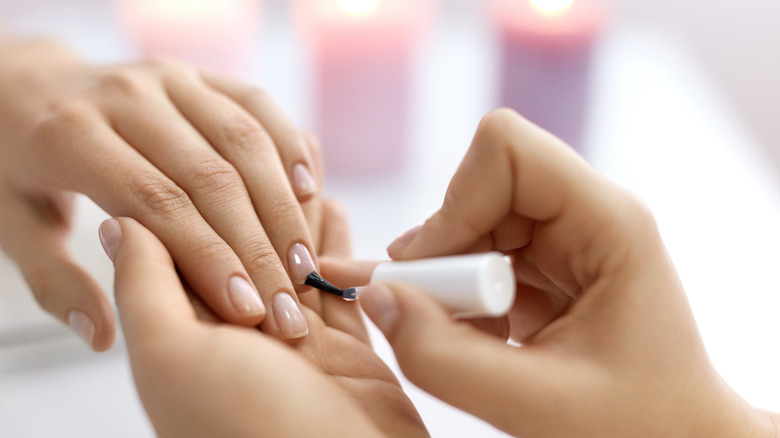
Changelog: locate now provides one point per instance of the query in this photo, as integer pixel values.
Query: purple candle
(362, 53)
(546, 48)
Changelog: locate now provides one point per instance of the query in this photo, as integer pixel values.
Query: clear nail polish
(244, 297)
(288, 316)
(300, 262)
(82, 326)
(110, 233)
(303, 181)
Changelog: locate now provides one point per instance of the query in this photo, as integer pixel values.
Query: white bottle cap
(468, 285)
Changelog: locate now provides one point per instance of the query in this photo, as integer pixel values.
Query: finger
(125, 184)
(313, 211)
(259, 228)
(312, 207)
(291, 143)
(512, 166)
(261, 160)
(149, 294)
(498, 327)
(337, 313)
(471, 370)
(34, 234)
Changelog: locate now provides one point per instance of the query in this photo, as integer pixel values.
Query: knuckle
(244, 134)
(212, 248)
(65, 119)
(254, 97)
(262, 257)
(498, 120)
(170, 67)
(123, 82)
(162, 198)
(284, 209)
(214, 175)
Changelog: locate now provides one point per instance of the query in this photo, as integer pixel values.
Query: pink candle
(216, 34)
(362, 52)
(546, 50)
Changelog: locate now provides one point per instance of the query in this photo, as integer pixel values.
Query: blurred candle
(547, 47)
(216, 34)
(362, 53)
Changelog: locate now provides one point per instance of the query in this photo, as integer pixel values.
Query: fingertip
(381, 306)
(398, 247)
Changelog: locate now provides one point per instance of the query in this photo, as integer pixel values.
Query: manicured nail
(303, 181)
(288, 317)
(301, 263)
(244, 297)
(380, 305)
(110, 236)
(80, 323)
(403, 240)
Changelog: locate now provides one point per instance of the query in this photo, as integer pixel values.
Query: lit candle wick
(358, 7)
(552, 7)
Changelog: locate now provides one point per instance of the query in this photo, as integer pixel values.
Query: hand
(209, 165)
(206, 379)
(609, 345)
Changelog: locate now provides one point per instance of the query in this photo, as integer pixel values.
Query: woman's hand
(609, 345)
(209, 165)
(208, 379)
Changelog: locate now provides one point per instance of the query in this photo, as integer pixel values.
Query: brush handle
(468, 285)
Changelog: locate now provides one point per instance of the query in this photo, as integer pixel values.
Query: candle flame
(358, 7)
(552, 7)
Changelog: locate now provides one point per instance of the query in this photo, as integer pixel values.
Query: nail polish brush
(468, 285)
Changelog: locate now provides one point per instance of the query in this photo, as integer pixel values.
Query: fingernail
(110, 236)
(303, 181)
(301, 263)
(288, 317)
(403, 240)
(244, 297)
(380, 305)
(80, 323)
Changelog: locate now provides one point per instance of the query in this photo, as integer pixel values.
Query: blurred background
(673, 100)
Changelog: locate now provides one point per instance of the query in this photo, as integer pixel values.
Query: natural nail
(110, 236)
(288, 317)
(403, 240)
(303, 180)
(301, 263)
(80, 323)
(244, 297)
(380, 305)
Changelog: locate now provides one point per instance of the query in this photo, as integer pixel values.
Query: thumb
(457, 363)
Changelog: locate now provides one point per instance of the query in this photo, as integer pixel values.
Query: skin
(246, 383)
(609, 344)
(188, 154)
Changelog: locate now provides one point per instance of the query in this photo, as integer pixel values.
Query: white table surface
(659, 127)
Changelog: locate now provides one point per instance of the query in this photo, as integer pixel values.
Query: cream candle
(362, 53)
(546, 48)
(216, 34)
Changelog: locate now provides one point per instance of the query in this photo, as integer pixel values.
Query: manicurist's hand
(609, 344)
(206, 378)
(209, 165)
